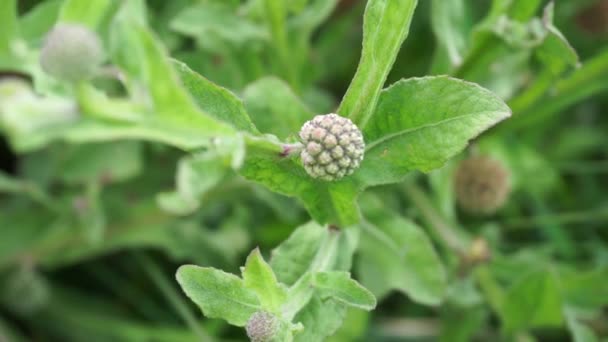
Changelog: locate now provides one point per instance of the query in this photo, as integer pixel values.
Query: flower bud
(71, 53)
(482, 185)
(262, 327)
(333, 147)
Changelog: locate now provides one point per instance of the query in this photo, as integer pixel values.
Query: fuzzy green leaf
(396, 254)
(215, 100)
(422, 122)
(259, 277)
(327, 202)
(385, 27)
(341, 287)
(290, 260)
(304, 252)
(218, 294)
(321, 318)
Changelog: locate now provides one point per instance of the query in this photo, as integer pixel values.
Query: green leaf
(89, 13)
(39, 20)
(579, 331)
(341, 287)
(451, 25)
(8, 26)
(534, 301)
(422, 122)
(106, 162)
(211, 19)
(196, 175)
(394, 253)
(585, 288)
(259, 277)
(386, 25)
(172, 103)
(274, 108)
(218, 294)
(327, 202)
(312, 247)
(321, 318)
(555, 51)
(290, 260)
(215, 100)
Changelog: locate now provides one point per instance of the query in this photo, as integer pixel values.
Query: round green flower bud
(262, 327)
(482, 185)
(333, 147)
(71, 53)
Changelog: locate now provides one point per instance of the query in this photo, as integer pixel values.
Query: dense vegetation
(166, 175)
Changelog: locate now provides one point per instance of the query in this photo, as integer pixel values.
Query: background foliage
(105, 191)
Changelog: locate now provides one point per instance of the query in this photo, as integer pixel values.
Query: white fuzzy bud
(333, 147)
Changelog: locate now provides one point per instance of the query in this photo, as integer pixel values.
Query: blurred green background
(91, 234)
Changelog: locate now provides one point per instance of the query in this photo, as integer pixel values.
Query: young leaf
(259, 277)
(218, 294)
(321, 318)
(385, 27)
(290, 259)
(555, 51)
(341, 287)
(422, 122)
(215, 100)
(312, 247)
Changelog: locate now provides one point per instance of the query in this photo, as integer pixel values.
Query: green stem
(576, 217)
(449, 235)
(491, 289)
(276, 14)
(586, 81)
(171, 295)
(301, 292)
(386, 25)
(533, 93)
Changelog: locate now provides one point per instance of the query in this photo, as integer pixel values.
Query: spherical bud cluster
(262, 327)
(71, 53)
(482, 185)
(333, 147)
